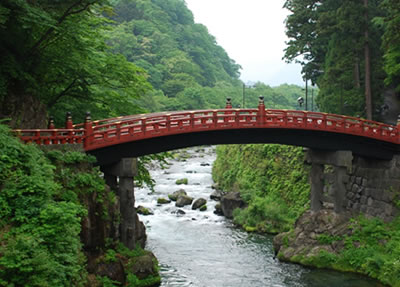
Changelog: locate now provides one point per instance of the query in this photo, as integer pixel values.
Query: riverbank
(202, 249)
(324, 239)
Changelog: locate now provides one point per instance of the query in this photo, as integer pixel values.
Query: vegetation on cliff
(45, 199)
(362, 245)
(272, 179)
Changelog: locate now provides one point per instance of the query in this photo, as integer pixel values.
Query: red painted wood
(108, 132)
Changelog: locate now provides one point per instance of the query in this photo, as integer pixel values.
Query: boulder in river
(144, 210)
(163, 201)
(216, 195)
(178, 212)
(182, 181)
(174, 196)
(198, 203)
(183, 200)
(218, 209)
(230, 202)
(203, 208)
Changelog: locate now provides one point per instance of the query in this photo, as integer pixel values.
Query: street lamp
(300, 100)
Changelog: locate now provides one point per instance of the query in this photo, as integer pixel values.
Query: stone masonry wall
(373, 187)
(346, 182)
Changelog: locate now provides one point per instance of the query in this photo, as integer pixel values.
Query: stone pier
(347, 182)
(120, 178)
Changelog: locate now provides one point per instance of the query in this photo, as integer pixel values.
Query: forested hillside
(186, 66)
(350, 49)
(114, 58)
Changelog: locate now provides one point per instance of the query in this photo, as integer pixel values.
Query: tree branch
(67, 13)
(60, 95)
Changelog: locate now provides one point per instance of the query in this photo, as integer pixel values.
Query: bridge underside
(362, 146)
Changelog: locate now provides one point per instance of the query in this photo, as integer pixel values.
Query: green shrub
(39, 232)
(272, 179)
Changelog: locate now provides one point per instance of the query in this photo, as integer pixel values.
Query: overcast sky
(253, 34)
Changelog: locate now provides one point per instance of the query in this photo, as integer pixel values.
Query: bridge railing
(98, 134)
(51, 136)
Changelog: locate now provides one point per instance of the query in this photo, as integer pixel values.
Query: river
(201, 249)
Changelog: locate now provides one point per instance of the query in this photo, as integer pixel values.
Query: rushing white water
(202, 249)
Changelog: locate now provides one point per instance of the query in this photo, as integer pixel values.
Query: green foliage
(328, 239)
(56, 57)
(391, 42)
(144, 178)
(132, 279)
(107, 282)
(39, 232)
(329, 40)
(271, 178)
(373, 248)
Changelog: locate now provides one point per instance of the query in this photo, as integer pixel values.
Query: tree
(54, 54)
(391, 42)
(335, 40)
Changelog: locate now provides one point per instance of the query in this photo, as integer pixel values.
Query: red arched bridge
(132, 136)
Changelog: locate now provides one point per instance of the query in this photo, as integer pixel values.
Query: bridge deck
(108, 133)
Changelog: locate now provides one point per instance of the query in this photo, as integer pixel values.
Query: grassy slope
(275, 201)
(41, 214)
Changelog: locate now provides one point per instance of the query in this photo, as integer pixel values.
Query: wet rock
(216, 195)
(181, 181)
(144, 266)
(230, 202)
(174, 196)
(162, 200)
(204, 164)
(178, 212)
(144, 210)
(113, 270)
(313, 232)
(214, 186)
(183, 200)
(198, 203)
(218, 209)
(203, 208)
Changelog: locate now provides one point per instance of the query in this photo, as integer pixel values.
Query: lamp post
(312, 98)
(306, 93)
(244, 88)
(300, 100)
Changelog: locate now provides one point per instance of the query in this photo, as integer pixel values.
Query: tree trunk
(23, 111)
(357, 83)
(368, 92)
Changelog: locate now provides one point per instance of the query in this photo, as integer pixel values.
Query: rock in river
(144, 210)
(230, 202)
(174, 196)
(183, 200)
(198, 203)
(216, 195)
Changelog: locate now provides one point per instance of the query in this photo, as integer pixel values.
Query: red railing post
(68, 121)
(88, 131)
(69, 125)
(228, 106)
(228, 103)
(261, 111)
(51, 125)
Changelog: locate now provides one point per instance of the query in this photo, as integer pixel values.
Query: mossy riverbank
(273, 180)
